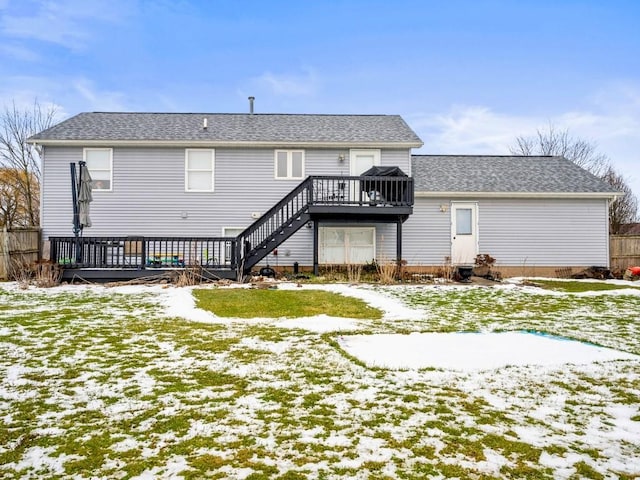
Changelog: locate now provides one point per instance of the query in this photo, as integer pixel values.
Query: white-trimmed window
(347, 245)
(199, 170)
(100, 165)
(230, 232)
(289, 164)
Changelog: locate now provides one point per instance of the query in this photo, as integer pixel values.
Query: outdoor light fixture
(341, 157)
(309, 225)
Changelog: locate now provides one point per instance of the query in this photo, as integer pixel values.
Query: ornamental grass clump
(387, 270)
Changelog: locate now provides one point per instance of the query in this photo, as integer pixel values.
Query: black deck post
(143, 253)
(398, 246)
(316, 270)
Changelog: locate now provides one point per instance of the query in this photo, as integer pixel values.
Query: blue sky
(468, 75)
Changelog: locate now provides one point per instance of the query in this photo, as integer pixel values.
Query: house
(534, 214)
(243, 182)
(235, 191)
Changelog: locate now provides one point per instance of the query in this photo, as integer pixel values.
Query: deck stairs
(274, 227)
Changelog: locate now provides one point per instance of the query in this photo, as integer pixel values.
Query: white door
(359, 162)
(464, 233)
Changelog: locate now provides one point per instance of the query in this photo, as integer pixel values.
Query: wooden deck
(375, 199)
(129, 257)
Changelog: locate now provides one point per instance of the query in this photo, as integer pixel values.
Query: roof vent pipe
(204, 123)
(251, 99)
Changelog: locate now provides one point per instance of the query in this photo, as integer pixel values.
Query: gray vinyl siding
(149, 197)
(517, 232)
(425, 235)
(532, 232)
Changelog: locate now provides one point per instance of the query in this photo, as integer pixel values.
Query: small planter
(464, 273)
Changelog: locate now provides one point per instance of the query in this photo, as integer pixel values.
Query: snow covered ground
(474, 351)
(137, 382)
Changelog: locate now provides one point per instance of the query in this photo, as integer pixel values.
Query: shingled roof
(507, 175)
(254, 129)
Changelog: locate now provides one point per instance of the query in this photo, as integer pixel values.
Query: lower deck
(128, 257)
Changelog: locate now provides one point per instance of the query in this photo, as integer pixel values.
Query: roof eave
(603, 195)
(207, 143)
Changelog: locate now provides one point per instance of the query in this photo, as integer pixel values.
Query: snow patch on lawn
(180, 302)
(320, 323)
(474, 351)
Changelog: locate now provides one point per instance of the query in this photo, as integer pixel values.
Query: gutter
(208, 143)
(604, 195)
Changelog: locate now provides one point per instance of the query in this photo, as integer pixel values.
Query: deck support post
(316, 270)
(398, 247)
(143, 253)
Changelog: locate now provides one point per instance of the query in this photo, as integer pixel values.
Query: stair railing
(290, 213)
(263, 231)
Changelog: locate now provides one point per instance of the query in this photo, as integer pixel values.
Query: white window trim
(110, 150)
(374, 245)
(289, 164)
(187, 170)
(225, 233)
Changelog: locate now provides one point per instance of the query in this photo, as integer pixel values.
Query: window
(99, 162)
(464, 218)
(289, 164)
(230, 232)
(347, 245)
(199, 167)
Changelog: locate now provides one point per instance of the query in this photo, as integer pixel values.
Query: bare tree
(9, 203)
(624, 208)
(13, 204)
(21, 159)
(584, 154)
(558, 142)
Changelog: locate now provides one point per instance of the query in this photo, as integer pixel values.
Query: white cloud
(100, 100)
(23, 91)
(68, 95)
(470, 129)
(64, 22)
(287, 84)
(611, 121)
(19, 52)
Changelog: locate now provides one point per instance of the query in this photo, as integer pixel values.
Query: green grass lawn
(579, 287)
(99, 383)
(250, 303)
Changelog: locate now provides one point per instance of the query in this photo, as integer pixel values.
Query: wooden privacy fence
(18, 245)
(624, 251)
